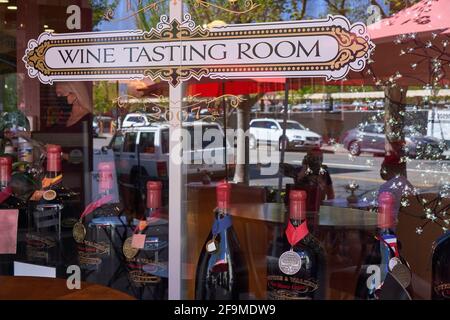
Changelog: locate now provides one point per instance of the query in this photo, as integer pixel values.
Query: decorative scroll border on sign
(160, 111)
(351, 40)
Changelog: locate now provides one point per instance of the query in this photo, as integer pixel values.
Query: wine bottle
(440, 285)
(384, 257)
(154, 189)
(94, 244)
(7, 198)
(146, 250)
(296, 263)
(222, 272)
(52, 191)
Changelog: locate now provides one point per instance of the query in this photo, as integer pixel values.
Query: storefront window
(140, 152)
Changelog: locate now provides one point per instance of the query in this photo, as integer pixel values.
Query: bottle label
(290, 288)
(443, 290)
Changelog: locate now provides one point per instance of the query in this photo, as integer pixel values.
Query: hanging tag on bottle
(212, 245)
(220, 225)
(138, 241)
(290, 262)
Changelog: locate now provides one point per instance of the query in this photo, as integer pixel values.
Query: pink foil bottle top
(297, 204)
(223, 193)
(386, 210)
(53, 158)
(105, 176)
(5, 170)
(154, 194)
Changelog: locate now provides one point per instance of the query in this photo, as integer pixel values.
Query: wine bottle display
(296, 261)
(222, 272)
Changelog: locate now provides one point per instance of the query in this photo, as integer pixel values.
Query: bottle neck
(4, 184)
(221, 212)
(296, 222)
(150, 212)
(385, 230)
(297, 210)
(105, 192)
(52, 174)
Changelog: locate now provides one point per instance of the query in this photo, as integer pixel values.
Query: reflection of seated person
(394, 173)
(314, 173)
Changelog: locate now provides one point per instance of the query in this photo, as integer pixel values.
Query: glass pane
(69, 157)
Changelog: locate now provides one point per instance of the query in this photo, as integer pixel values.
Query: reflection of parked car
(271, 131)
(371, 138)
(136, 120)
(144, 152)
(300, 107)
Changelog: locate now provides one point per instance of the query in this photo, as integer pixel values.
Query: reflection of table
(270, 212)
(343, 203)
(346, 217)
(328, 216)
(34, 288)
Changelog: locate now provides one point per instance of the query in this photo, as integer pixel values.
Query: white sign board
(177, 51)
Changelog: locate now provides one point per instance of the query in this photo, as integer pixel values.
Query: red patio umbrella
(423, 18)
(408, 42)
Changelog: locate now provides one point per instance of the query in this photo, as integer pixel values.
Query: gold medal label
(49, 195)
(79, 232)
(402, 274)
(128, 250)
(393, 262)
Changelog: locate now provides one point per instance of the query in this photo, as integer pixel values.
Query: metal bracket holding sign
(178, 51)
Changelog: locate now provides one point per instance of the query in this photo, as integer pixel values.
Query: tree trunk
(242, 152)
(394, 120)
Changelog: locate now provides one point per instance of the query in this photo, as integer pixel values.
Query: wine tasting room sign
(177, 51)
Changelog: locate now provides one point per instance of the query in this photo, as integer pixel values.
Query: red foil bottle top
(53, 158)
(105, 176)
(5, 169)
(297, 204)
(386, 210)
(223, 193)
(154, 194)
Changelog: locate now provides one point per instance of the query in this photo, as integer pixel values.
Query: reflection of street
(364, 169)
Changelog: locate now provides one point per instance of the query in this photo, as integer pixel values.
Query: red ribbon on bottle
(5, 194)
(295, 234)
(96, 204)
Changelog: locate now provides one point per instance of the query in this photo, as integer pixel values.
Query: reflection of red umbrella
(214, 88)
(423, 18)
(428, 22)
